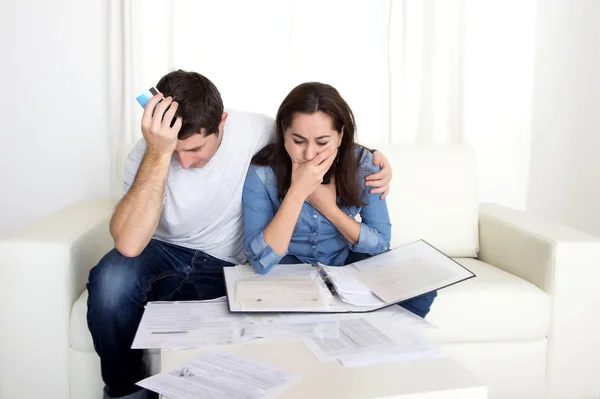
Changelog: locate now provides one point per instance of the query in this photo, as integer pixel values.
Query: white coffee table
(425, 379)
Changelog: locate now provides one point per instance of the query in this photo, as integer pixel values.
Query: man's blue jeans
(119, 287)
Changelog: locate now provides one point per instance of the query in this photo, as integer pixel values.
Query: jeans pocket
(208, 281)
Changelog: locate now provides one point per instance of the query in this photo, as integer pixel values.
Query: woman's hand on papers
(160, 136)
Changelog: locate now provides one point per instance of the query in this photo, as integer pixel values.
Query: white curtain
(425, 55)
(396, 62)
(406, 67)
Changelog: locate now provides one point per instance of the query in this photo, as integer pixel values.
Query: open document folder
(382, 280)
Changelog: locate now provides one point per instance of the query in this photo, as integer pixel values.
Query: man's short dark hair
(200, 103)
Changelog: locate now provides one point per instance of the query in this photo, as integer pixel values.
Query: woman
(303, 192)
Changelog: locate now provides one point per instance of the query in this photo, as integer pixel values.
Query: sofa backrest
(433, 197)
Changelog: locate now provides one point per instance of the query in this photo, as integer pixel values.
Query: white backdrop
(565, 165)
(58, 134)
(414, 72)
(53, 107)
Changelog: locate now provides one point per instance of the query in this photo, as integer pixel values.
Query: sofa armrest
(44, 268)
(566, 264)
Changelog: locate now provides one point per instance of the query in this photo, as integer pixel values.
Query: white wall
(53, 107)
(257, 61)
(497, 97)
(565, 156)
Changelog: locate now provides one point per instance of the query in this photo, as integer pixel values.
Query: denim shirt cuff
(261, 256)
(368, 241)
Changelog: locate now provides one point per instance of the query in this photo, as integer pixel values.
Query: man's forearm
(136, 217)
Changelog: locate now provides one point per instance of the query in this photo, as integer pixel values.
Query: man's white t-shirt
(203, 206)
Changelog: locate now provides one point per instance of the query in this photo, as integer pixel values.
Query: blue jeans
(119, 287)
(419, 305)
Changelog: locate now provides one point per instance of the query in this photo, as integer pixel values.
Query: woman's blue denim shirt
(315, 238)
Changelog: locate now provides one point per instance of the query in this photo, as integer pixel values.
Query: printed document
(391, 282)
(284, 329)
(267, 293)
(355, 336)
(220, 375)
(362, 343)
(364, 286)
(187, 324)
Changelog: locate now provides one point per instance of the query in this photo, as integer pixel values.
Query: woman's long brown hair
(309, 98)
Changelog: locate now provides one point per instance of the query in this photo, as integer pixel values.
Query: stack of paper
(355, 336)
(394, 317)
(194, 324)
(348, 287)
(282, 329)
(187, 324)
(370, 284)
(363, 343)
(220, 375)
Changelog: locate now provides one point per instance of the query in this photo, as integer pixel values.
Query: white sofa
(528, 325)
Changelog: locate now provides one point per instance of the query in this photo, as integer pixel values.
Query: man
(180, 219)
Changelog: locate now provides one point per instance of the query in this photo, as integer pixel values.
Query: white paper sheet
(279, 271)
(364, 343)
(220, 375)
(393, 281)
(410, 349)
(319, 317)
(355, 336)
(398, 318)
(395, 317)
(287, 293)
(349, 288)
(409, 345)
(344, 280)
(187, 324)
(282, 329)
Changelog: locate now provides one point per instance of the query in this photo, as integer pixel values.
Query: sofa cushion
(494, 306)
(433, 196)
(79, 335)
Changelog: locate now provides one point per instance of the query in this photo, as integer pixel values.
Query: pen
(327, 281)
(169, 332)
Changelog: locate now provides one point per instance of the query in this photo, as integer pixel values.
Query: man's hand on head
(380, 180)
(156, 125)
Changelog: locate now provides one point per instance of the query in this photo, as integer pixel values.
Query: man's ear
(222, 123)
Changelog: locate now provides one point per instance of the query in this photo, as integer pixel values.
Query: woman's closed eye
(318, 143)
